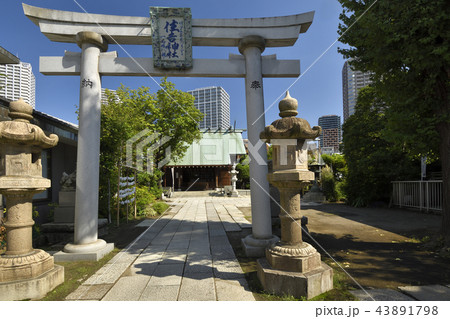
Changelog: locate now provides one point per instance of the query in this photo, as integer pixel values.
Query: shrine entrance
(172, 32)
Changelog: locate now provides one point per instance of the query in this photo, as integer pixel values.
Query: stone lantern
(25, 273)
(292, 266)
(234, 173)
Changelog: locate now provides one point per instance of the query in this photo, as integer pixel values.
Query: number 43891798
(407, 310)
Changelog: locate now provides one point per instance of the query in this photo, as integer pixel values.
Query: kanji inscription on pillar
(255, 85)
(86, 83)
(171, 37)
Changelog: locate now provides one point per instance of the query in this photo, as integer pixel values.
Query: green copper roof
(214, 148)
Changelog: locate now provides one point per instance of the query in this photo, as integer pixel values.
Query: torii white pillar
(254, 245)
(250, 35)
(86, 244)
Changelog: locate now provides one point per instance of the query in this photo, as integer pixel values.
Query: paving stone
(199, 265)
(198, 268)
(199, 239)
(154, 249)
(141, 268)
(127, 289)
(380, 295)
(108, 274)
(89, 292)
(219, 241)
(123, 258)
(181, 259)
(160, 293)
(231, 226)
(141, 244)
(178, 247)
(233, 290)
(150, 257)
(217, 232)
(222, 254)
(428, 293)
(227, 269)
(150, 235)
(168, 275)
(197, 287)
(196, 257)
(199, 249)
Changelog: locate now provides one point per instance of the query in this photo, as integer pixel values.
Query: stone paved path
(184, 255)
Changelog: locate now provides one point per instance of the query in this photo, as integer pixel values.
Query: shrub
(329, 184)
(144, 199)
(160, 207)
(243, 176)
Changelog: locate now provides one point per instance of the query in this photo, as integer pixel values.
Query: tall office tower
(331, 135)
(214, 103)
(18, 81)
(352, 82)
(104, 98)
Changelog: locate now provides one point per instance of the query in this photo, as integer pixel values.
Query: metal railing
(424, 195)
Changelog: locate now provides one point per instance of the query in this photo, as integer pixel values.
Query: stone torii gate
(172, 33)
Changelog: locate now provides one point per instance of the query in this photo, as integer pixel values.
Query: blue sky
(319, 90)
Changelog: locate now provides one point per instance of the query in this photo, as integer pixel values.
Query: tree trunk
(444, 133)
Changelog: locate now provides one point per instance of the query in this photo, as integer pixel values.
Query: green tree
(338, 165)
(406, 46)
(334, 177)
(168, 112)
(244, 173)
(328, 183)
(372, 161)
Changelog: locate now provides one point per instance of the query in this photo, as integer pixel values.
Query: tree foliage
(334, 177)
(406, 46)
(168, 112)
(338, 165)
(243, 176)
(372, 161)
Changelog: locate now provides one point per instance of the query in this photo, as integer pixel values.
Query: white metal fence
(424, 195)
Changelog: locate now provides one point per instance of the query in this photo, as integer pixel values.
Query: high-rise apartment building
(214, 103)
(331, 135)
(352, 82)
(104, 98)
(18, 81)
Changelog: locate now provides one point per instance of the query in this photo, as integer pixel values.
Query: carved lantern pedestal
(25, 273)
(292, 266)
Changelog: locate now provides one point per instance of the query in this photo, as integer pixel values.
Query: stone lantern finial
(288, 106)
(20, 111)
(20, 131)
(289, 126)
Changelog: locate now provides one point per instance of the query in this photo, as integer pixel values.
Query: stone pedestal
(292, 266)
(293, 283)
(65, 212)
(25, 273)
(62, 228)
